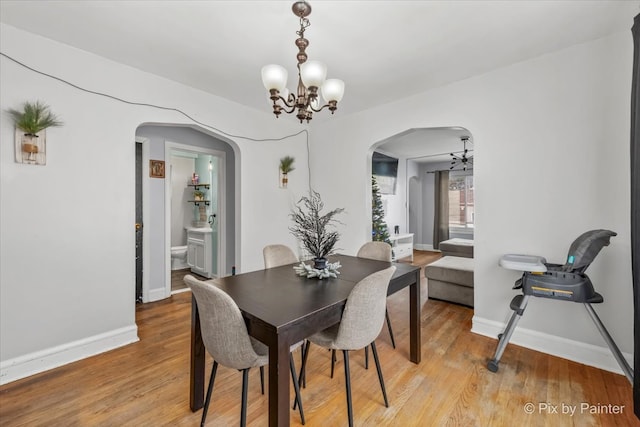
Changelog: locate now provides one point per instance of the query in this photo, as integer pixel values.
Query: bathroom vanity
(199, 251)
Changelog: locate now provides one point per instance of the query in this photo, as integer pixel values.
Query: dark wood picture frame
(156, 168)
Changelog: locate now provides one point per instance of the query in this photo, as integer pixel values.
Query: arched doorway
(420, 152)
(158, 142)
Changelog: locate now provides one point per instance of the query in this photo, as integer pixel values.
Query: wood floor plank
(147, 383)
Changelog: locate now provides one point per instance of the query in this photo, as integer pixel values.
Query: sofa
(450, 278)
(457, 247)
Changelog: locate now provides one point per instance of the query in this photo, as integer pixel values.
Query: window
(461, 206)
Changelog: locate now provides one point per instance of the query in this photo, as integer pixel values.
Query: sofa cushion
(457, 247)
(458, 270)
(451, 279)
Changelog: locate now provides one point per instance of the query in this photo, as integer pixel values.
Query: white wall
(556, 127)
(67, 274)
(181, 212)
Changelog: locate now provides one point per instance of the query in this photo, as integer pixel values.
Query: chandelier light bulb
(274, 77)
(313, 73)
(333, 90)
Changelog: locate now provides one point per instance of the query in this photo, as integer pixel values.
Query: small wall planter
(286, 166)
(30, 148)
(30, 138)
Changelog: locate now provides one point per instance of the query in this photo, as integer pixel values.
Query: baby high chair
(565, 282)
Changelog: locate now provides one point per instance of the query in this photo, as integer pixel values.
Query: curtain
(441, 218)
(635, 207)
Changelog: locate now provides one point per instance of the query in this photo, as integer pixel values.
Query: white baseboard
(423, 247)
(43, 360)
(587, 354)
(157, 294)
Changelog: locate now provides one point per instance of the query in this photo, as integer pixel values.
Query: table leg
(414, 320)
(279, 383)
(196, 375)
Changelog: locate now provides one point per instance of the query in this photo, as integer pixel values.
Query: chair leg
(375, 358)
(393, 341)
(243, 410)
(302, 378)
(333, 361)
(347, 377)
(366, 357)
(209, 392)
(296, 387)
(262, 379)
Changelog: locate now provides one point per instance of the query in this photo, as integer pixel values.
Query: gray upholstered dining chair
(225, 337)
(361, 322)
(375, 250)
(380, 251)
(277, 255)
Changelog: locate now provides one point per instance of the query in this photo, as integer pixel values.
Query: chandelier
(462, 160)
(311, 77)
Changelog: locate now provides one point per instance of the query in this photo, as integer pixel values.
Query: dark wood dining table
(281, 308)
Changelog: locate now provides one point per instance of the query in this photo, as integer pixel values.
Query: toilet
(179, 257)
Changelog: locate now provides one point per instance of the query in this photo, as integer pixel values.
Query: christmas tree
(379, 232)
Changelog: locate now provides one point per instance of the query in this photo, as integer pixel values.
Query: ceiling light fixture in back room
(311, 76)
(462, 160)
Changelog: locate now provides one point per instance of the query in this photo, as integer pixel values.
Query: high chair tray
(532, 263)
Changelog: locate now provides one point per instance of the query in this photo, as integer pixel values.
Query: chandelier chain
(304, 24)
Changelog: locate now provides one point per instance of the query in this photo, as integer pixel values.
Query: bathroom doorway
(157, 145)
(194, 213)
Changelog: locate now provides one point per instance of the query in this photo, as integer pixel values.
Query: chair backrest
(375, 250)
(224, 332)
(277, 255)
(584, 249)
(363, 314)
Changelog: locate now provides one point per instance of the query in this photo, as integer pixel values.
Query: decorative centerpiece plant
(313, 228)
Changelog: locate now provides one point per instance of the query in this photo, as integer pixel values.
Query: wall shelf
(196, 186)
(197, 202)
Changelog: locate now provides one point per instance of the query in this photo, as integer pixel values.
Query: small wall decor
(198, 196)
(30, 136)
(286, 166)
(156, 168)
(31, 149)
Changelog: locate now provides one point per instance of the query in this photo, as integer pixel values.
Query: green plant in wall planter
(286, 166)
(32, 120)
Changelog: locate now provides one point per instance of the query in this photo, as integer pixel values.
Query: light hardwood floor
(146, 383)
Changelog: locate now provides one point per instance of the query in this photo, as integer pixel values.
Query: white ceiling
(383, 50)
(428, 145)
